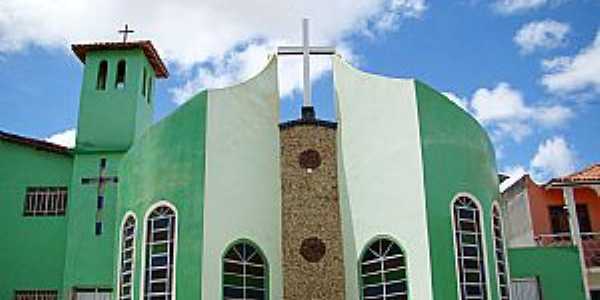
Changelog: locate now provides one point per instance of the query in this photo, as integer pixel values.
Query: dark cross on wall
(125, 32)
(101, 182)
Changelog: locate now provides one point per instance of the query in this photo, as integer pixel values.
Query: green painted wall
(36, 244)
(89, 257)
(558, 270)
(110, 119)
(168, 163)
(457, 157)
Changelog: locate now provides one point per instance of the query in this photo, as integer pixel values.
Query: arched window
(245, 273)
(159, 266)
(469, 242)
(121, 70)
(101, 79)
(500, 251)
(383, 271)
(126, 267)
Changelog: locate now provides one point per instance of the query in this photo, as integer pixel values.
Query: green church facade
(194, 207)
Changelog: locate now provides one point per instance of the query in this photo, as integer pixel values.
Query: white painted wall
(380, 172)
(243, 189)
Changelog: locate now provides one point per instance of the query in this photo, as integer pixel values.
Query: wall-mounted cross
(306, 50)
(125, 32)
(101, 182)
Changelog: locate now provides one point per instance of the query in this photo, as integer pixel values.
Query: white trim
(133, 254)
(483, 239)
(143, 257)
(496, 205)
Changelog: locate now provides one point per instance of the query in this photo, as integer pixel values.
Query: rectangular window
(559, 219)
(36, 295)
(92, 293)
(45, 201)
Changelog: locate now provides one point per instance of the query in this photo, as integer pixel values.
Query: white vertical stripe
(242, 184)
(381, 172)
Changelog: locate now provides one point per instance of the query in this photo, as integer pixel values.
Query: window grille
(244, 273)
(127, 259)
(501, 267)
(92, 293)
(383, 272)
(160, 254)
(469, 249)
(45, 201)
(36, 295)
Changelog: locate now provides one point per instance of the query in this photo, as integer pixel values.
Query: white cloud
(554, 158)
(576, 73)
(514, 6)
(547, 34)
(504, 111)
(65, 138)
(215, 42)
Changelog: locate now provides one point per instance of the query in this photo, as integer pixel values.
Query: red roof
(157, 64)
(589, 174)
(36, 144)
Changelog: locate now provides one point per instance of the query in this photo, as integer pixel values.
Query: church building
(397, 198)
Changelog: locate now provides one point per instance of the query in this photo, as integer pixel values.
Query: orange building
(538, 215)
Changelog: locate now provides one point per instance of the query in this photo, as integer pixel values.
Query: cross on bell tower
(125, 32)
(308, 111)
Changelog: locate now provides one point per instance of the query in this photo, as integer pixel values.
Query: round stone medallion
(312, 249)
(309, 159)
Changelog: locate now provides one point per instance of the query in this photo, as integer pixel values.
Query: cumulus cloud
(504, 111)
(576, 73)
(514, 6)
(208, 42)
(547, 34)
(64, 138)
(554, 158)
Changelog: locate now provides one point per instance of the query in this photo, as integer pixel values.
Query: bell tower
(117, 96)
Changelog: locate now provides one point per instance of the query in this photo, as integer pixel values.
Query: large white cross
(306, 50)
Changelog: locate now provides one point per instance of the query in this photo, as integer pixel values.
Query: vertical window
(102, 71)
(500, 251)
(383, 272)
(126, 267)
(149, 89)
(36, 295)
(160, 254)
(144, 78)
(121, 72)
(45, 201)
(244, 273)
(469, 249)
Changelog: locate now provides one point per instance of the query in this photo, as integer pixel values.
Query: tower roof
(155, 61)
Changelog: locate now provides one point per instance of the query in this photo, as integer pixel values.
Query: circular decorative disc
(309, 159)
(312, 249)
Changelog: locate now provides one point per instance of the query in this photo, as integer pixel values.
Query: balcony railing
(589, 240)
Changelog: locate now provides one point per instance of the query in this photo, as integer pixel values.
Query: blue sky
(529, 70)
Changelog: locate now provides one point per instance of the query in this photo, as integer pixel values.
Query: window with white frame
(45, 201)
(36, 295)
(126, 267)
(244, 273)
(469, 241)
(160, 254)
(383, 271)
(500, 252)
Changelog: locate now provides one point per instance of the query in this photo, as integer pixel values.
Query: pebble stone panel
(312, 247)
